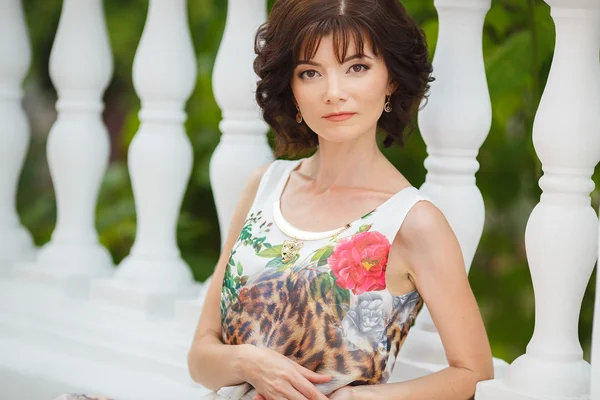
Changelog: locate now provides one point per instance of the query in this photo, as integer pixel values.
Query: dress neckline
(286, 227)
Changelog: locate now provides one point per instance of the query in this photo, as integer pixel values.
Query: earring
(387, 107)
(298, 116)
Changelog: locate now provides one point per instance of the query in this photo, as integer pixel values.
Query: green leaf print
(240, 269)
(246, 233)
(278, 263)
(367, 215)
(365, 227)
(322, 255)
(341, 296)
(271, 252)
(285, 266)
(274, 263)
(320, 286)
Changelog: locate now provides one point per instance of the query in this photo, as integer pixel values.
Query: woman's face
(357, 88)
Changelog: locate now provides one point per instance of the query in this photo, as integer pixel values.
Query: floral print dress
(328, 307)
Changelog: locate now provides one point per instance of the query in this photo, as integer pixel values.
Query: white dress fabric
(328, 308)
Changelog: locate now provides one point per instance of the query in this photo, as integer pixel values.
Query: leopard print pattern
(278, 310)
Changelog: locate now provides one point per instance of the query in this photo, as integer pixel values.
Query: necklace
(291, 248)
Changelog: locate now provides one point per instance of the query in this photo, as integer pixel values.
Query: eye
(308, 74)
(361, 68)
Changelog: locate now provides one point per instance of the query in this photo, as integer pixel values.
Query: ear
(391, 88)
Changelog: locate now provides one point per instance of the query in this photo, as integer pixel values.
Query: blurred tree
(518, 45)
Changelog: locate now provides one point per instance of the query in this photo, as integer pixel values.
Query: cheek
(371, 103)
(374, 92)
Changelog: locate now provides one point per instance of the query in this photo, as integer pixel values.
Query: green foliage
(518, 44)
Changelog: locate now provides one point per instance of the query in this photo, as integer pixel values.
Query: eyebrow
(353, 57)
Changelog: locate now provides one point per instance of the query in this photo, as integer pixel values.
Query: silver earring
(387, 107)
(298, 116)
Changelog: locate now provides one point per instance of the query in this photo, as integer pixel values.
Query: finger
(308, 390)
(259, 397)
(291, 393)
(312, 376)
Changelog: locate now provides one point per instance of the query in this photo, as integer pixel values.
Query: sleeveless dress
(325, 306)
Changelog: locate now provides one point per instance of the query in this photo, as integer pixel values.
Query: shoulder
(252, 185)
(425, 237)
(422, 221)
(263, 178)
(257, 174)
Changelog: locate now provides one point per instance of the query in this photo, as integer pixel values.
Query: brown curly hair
(296, 26)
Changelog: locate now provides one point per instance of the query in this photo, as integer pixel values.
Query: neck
(347, 164)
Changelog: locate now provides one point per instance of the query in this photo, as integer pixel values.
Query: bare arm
(215, 364)
(210, 362)
(428, 249)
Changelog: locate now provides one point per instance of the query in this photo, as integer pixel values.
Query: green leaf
(509, 65)
(280, 265)
(274, 263)
(322, 255)
(365, 227)
(240, 269)
(341, 296)
(367, 215)
(320, 286)
(270, 252)
(285, 266)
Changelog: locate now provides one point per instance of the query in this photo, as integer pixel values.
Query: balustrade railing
(561, 237)
(15, 56)
(562, 232)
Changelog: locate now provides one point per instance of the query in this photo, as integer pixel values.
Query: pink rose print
(359, 262)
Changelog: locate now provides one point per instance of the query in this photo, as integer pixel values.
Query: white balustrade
(562, 232)
(160, 156)
(243, 145)
(15, 56)
(78, 144)
(454, 124)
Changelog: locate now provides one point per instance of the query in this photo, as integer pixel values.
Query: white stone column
(562, 232)
(454, 124)
(15, 56)
(160, 155)
(78, 143)
(243, 144)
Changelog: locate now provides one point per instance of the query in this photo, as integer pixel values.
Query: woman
(330, 257)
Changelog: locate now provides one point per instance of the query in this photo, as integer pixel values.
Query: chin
(340, 134)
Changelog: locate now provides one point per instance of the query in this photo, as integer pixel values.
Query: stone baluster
(243, 145)
(15, 56)
(78, 144)
(454, 124)
(562, 232)
(160, 157)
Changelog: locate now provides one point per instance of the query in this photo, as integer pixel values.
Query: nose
(334, 92)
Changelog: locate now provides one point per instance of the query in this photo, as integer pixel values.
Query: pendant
(290, 249)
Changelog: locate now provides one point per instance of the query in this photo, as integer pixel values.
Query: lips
(339, 116)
